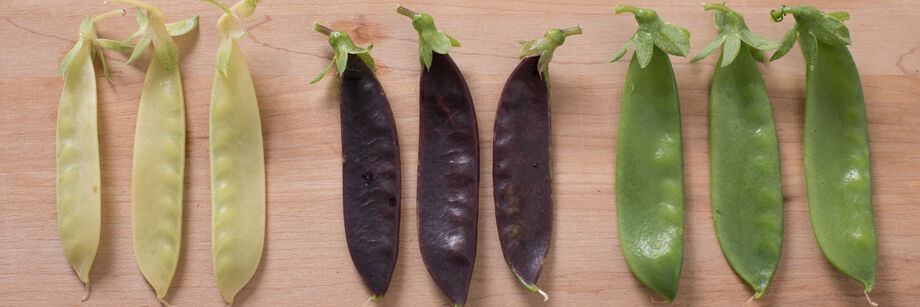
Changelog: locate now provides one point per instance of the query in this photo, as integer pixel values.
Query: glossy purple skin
(448, 177)
(522, 171)
(370, 174)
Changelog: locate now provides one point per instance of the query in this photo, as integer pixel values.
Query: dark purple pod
(522, 172)
(370, 174)
(522, 165)
(448, 177)
(448, 163)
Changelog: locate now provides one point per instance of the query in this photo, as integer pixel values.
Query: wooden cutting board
(306, 261)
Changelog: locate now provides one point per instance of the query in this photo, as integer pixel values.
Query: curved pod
(837, 169)
(237, 165)
(157, 177)
(370, 165)
(78, 176)
(448, 169)
(649, 170)
(522, 167)
(747, 198)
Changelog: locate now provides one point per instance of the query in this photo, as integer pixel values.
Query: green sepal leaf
(105, 68)
(453, 41)
(731, 49)
(140, 17)
(757, 54)
(247, 8)
(366, 57)
(841, 15)
(139, 49)
(111, 45)
(709, 48)
(831, 31)
(788, 41)
(622, 50)
(758, 41)
(424, 52)
(182, 27)
(68, 58)
(644, 48)
(672, 39)
(809, 44)
(223, 55)
(323, 74)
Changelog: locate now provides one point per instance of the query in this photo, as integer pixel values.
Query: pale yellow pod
(237, 168)
(237, 178)
(157, 177)
(78, 187)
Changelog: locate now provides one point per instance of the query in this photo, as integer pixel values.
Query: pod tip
(86, 292)
(868, 299)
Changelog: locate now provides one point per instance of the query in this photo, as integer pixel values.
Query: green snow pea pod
(650, 165)
(837, 170)
(159, 150)
(747, 197)
(78, 188)
(237, 161)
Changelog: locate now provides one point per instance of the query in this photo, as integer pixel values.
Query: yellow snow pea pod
(159, 150)
(237, 162)
(78, 187)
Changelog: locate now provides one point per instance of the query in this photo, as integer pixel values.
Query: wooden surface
(306, 261)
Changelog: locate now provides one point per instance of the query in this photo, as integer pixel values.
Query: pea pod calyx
(430, 39)
(653, 32)
(152, 28)
(811, 26)
(229, 30)
(88, 35)
(545, 46)
(343, 46)
(735, 33)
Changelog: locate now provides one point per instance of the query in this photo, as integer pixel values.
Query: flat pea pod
(650, 169)
(522, 167)
(448, 163)
(747, 197)
(836, 144)
(157, 176)
(237, 163)
(78, 176)
(370, 164)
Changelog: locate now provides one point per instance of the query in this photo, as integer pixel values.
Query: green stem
(318, 27)
(777, 15)
(571, 31)
(402, 10)
(717, 6)
(102, 17)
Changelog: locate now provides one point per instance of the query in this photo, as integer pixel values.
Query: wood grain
(306, 260)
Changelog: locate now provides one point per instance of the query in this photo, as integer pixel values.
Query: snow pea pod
(836, 142)
(522, 168)
(157, 177)
(650, 169)
(448, 169)
(370, 164)
(747, 197)
(237, 162)
(78, 188)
